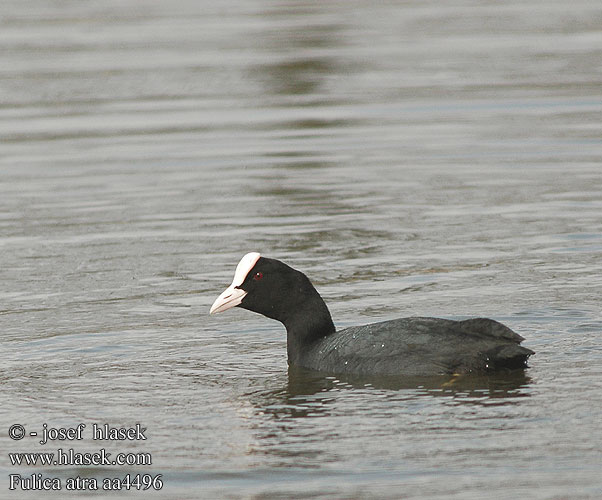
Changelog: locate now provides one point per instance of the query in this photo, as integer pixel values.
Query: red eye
(258, 276)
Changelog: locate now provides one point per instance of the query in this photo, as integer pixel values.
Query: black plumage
(413, 346)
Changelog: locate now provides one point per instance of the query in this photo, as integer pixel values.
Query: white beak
(233, 295)
(230, 297)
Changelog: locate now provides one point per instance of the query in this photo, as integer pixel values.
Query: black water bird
(413, 346)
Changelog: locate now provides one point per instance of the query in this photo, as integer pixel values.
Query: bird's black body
(417, 346)
(412, 346)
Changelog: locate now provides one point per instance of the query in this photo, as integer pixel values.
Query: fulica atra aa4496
(407, 346)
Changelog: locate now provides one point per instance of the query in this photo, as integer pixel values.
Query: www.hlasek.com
(71, 457)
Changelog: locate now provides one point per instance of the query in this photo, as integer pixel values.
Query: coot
(407, 346)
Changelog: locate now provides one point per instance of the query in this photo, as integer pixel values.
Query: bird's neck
(310, 322)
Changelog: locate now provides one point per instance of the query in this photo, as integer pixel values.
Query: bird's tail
(509, 356)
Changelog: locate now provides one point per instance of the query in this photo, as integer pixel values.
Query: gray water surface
(412, 158)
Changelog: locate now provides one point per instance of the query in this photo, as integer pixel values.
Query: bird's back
(418, 346)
